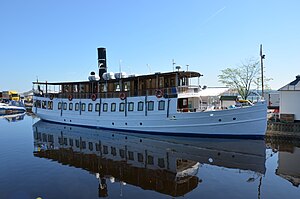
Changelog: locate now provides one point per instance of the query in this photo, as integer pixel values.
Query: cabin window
(117, 87)
(91, 146)
(113, 107)
(150, 160)
(65, 105)
(34, 103)
(97, 107)
(161, 162)
(122, 153)
(71, 106)
(90, 107)
(121, 107)
(59, 105)
(44, 104)
(77, 143)
(161, 105)
(71, 142)
(161, 82)
(76, 106)
(130, 106)
(82, 106)
(126, 86)
(105, 107)
(150, 106)
(105, 149)
(113, 151)
(50, 105)
(130, 155)
(38, 103)
(140, 106)
(140, 157)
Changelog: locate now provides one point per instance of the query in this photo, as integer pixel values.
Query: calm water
(41, 159)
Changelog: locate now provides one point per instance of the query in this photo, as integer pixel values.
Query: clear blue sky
(57, 40)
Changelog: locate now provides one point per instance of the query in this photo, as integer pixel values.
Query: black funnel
(102, 61)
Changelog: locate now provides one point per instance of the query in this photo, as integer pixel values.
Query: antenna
(262, 57)
(120, 67)
(187, 67)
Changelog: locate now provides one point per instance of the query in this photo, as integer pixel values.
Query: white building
(290, 97)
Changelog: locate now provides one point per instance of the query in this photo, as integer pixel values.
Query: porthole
(220, 120)
(126, 123)
(234, 118)
(113, 123)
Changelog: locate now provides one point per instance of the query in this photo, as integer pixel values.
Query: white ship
(165, 164)
(159, 103)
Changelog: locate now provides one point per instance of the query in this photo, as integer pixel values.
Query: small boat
(12, 107)
(158, 103)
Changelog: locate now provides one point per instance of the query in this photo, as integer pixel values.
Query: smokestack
(102, 61)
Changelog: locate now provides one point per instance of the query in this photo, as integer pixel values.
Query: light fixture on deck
(178, 68)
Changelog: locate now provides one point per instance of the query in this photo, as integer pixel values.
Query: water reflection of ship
(13, 117)
(163, 164)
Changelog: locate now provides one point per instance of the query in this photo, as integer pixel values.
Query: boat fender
(122, 96)
(51, 97)
(94, 97)
(159, 93)
(70, 97)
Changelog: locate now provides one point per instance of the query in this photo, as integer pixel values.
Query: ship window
(113, 107)
(76, 106)
(130, 106)
(65, 105)
(161, 105)
(44, 137)
(71, 142)
(91, 146)
(34, 103)
(105, 107)
(77, 143)
(83, 145)
(44, 104)
(38, 103)
(90, 107)
(83, 107)
(150, 106)
(70, 106)
(140, 157)
(50, 138)
(65, 141)
(121, 107)
(97, 107)
(122, 153)
(113, 151)
(140, 106)
(161, 162)
(105, 149)
(59, 105)
(130, 155)
(150, 160)
(50, 105)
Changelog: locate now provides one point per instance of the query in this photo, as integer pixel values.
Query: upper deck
(170, 84)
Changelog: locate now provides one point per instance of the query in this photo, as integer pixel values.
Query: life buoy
(70, 97)
(159, 93)
(94, 97)
(122, 96)
(51, 96)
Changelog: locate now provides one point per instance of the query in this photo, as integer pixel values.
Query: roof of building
(292, 86)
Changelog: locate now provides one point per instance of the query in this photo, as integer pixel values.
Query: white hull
(242, 122)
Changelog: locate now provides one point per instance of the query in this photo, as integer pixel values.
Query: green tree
(242, 77)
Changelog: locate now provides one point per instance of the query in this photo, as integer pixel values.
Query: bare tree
(241, 78)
